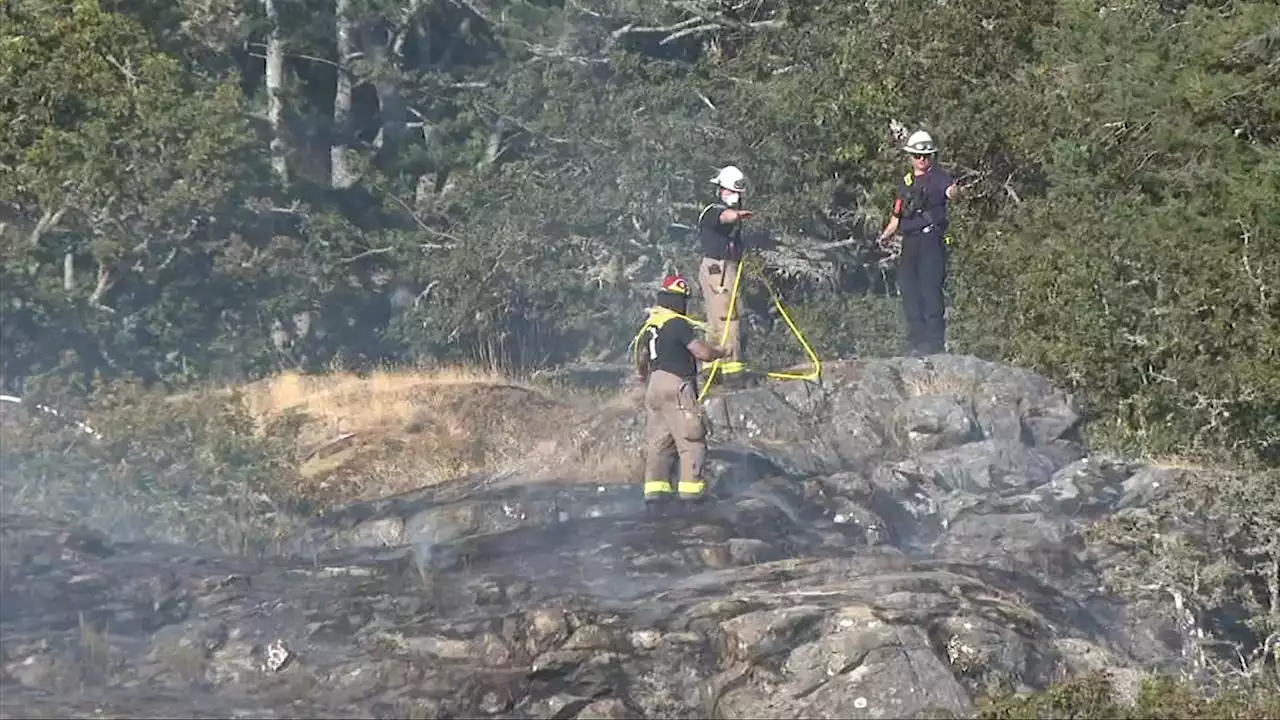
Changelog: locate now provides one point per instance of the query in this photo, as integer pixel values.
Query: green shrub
(1094, 698)
(189, 469)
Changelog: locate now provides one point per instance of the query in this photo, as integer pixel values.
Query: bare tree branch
(468, 5)
(426, 293)
(632, 29)
(125, 70)
(173, 253)
(367, 253)
(1246, 237)
(46, 223)
(106, 281)
(689, 31)
(419, 222)
(298, 56)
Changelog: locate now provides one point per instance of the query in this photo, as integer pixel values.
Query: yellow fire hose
(812, 375)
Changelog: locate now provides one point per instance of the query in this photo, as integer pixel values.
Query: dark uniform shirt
(922, 206)
(669, 347)
(719, 241)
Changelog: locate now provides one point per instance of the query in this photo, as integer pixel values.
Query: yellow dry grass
(347, 401)
(396, 430)
(935, 383)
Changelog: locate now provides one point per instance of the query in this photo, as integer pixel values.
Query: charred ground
(904, 539)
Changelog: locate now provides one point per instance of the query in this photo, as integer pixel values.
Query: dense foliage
(214, 188)
(1096, 697)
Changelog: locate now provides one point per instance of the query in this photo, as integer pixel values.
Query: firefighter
(667, 355)
(720, 229)
(920, 215)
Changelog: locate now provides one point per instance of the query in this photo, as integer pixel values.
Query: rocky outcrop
(889, 543)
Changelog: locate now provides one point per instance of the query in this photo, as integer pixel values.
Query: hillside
(909, 537)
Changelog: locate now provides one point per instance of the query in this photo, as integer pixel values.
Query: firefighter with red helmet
(667, 351)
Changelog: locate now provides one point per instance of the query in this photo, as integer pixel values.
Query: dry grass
(931, 382)
(400, 429)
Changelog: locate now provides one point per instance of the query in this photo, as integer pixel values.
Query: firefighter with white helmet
(921, 215)
(720, 230)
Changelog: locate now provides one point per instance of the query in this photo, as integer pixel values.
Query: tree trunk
(339, 171)
(493, 149)
(275, 83)
(390, 55)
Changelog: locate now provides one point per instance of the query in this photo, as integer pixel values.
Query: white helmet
(730, 178)
(921, 143)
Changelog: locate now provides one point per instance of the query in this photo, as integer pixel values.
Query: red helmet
(677, 285)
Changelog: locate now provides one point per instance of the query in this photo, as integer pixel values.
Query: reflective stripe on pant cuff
(693, 488)
(657, 487)
(729, 367)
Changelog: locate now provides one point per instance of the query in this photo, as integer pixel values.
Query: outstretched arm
(705, 351)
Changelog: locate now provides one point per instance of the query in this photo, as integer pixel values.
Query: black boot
(658, 506)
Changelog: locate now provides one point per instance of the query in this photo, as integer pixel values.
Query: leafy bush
(1141, 274)
(1095, 698)
(1204, 552)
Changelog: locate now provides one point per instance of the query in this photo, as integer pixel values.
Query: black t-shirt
(928, 194)
(719, 241)
(669, 348)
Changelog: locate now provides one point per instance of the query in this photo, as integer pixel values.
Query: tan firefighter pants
(674, 431)
(717, 290)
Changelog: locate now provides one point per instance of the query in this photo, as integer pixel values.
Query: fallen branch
(46, 409)
(341, 438)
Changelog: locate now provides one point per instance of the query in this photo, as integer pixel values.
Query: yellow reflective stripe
(692, 487)
(728, 367)
(655, 487)
(909, 179)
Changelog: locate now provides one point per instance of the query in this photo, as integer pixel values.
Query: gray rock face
(888, 544)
